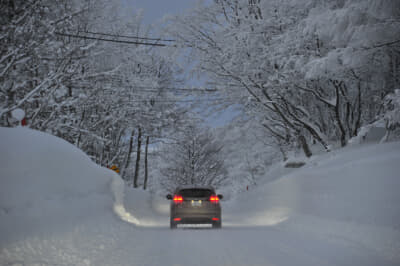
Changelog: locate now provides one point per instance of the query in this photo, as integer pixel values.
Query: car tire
(217, 225)
(172, 224)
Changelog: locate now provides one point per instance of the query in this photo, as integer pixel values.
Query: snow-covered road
(115, 243)
(340, 209)
(112, 242)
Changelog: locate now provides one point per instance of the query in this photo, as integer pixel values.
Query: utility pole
(146, 173)
(137, 166)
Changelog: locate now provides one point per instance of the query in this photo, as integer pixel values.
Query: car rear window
(196, 192)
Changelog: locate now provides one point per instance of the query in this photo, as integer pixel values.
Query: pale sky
(155, 10)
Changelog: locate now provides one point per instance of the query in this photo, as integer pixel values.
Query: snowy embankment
(350, 194)
(48, 186)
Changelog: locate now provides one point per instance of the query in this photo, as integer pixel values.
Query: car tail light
(177, 219)
(178, 199)
(214, 199)
(215, 219)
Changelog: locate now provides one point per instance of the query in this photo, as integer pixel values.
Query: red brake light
(214, 199)
(178, 199)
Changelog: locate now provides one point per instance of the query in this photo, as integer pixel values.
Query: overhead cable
(128, 37)
(109, 40)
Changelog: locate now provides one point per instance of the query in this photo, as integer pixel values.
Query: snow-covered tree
(35, 65)
(391, 115)
(309, 70)
(93, 94)
(193, 159)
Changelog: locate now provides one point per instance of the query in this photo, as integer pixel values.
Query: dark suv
(195, 205)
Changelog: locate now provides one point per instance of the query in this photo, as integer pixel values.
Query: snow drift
(350, 194)
(48, 185)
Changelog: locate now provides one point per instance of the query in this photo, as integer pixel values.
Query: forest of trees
(305, 71)
(91, 93)
(194, 158)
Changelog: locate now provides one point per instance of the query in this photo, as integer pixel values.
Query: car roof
(194, 187)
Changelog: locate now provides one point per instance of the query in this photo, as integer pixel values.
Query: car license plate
(196, 203)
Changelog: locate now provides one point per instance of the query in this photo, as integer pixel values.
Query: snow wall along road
(49, 185)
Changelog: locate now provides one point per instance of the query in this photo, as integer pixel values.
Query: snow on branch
(31, 93)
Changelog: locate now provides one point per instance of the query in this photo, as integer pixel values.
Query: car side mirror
(220, 196)
(169, 197)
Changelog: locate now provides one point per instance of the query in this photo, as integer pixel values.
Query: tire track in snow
(117, 189)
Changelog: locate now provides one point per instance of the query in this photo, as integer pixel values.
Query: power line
(136, 88)
(151, 89)
(231, 99)
(163, 89)
(175, 88)
(125, 36)
(160, 89)
(109, 40)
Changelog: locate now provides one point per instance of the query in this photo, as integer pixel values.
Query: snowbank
(48, 185)
(350, 194)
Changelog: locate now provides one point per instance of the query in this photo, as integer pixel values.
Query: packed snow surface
(59, 208)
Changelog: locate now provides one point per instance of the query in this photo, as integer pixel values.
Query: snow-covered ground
(59, 208)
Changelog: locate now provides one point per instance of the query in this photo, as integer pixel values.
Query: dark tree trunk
(304, 145)
(358, 121)
(192, 163)
(284, 156)
(128, 156)
(11, 9)
(349, 119)
(146, 173)
(139, 144)
(337, 115)
(78, 142)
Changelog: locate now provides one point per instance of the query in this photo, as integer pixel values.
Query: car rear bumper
(198, 220)
(195, 217)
